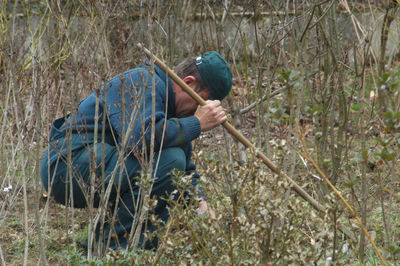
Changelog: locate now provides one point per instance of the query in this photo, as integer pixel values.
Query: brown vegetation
(325, 70)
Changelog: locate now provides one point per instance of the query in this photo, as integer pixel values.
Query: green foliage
(355, 107)
(387, 154)
(313, 110)
(392, 120)
(394, 249)
(352, 182)
(290, 79)
(111, 258)
(254, 225)
(278, 115)
(389, 81)
(80, 44)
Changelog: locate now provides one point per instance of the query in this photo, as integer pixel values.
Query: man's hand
(203, 208)
(210, 115)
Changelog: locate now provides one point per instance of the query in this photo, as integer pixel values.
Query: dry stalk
(3, 261)
(306, 155)
(386, 189)
(189, 224)
(160, 248)
(200, 242)
(300, 191)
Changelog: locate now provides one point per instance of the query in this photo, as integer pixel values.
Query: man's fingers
(213, 103)
(220, 114)
(211, 115)
(223, 118)
(218, 110)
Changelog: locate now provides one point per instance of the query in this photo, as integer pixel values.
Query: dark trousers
(57, 178)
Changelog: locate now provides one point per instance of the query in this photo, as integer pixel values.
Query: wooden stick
(300, 191)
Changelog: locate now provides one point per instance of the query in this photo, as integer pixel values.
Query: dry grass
(53, 54)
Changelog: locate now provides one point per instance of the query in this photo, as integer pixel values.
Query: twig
(308, 27)
(168, 227)
(266, 96)
(198, 239)
(386, 189)
(3, 262)
(299, 190)
(26, 223)
(322, 174)
(248, 14)
(36, 94)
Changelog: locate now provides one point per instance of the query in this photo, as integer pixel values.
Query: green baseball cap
(215, 73)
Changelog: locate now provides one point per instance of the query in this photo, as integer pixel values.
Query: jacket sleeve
(129, 99)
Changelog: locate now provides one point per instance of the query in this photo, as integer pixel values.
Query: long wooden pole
(234, 131)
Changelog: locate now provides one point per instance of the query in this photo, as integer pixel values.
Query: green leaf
(393, 248)
(359, 159)
(284, 75)
(295, 84)
(316, 109)
(384, 142)
(355, 107)
(388, 154)
(326, 161)
(281, 111)
(394, 86)
(388, 114)
(352, 182)
(293, 74)
(384, 77)
(364, 154)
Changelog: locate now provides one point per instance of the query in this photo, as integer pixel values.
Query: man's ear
(205, 94)
(189, 79)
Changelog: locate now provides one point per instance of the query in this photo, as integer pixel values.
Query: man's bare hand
(210, 115)
(203, 209)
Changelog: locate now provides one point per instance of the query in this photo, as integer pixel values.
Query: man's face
(186, 105)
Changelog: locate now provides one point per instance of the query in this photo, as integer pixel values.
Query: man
(121, 115)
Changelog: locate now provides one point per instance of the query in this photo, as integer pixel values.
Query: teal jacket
(125, 99)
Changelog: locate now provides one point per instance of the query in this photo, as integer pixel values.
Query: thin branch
(308, 27)
(307, 155)
(3, 262)
(265, 97)
(386, 189)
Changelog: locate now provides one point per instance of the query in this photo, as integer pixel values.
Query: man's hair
(188, 68)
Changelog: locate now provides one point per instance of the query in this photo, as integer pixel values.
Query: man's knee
(171, 158)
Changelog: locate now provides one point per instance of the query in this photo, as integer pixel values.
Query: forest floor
(57, 225)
